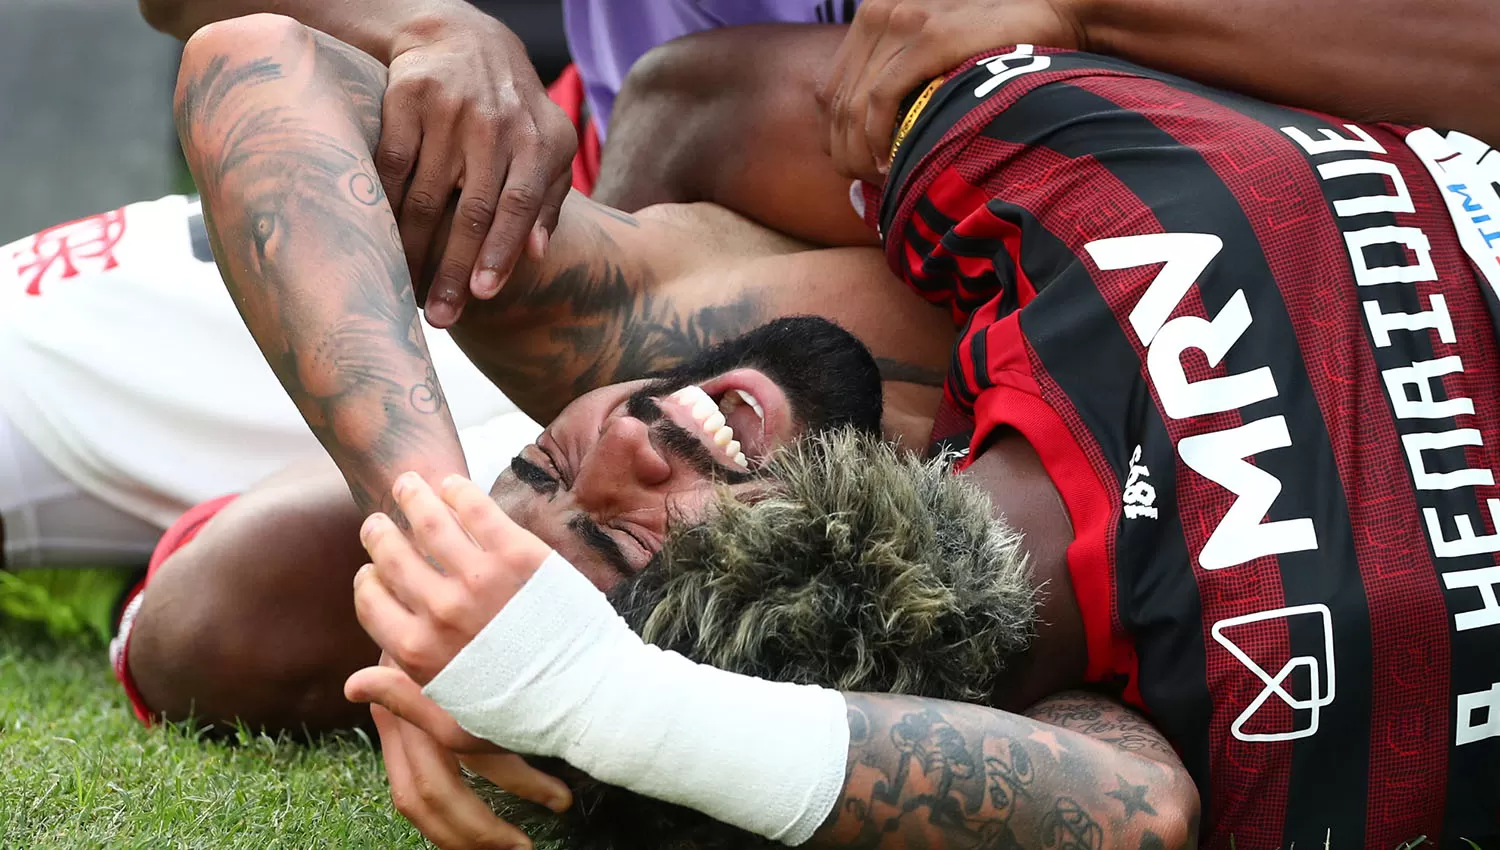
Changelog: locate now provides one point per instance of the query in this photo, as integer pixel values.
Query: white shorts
(126, 367)
(50, 521)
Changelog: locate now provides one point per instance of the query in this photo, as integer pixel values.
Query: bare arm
(743, 131)
(1079, 772)
(376, 27)
(277, 123)
(1415, 61)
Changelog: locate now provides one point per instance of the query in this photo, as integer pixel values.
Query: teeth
(750, 400)
(711, 417)
(693, 396)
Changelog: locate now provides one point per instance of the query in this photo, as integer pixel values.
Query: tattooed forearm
(926, 773)
(277, 123)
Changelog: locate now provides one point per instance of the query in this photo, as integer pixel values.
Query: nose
(620, 465)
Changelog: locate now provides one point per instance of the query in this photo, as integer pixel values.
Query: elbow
(1180, 813)
(258, 35)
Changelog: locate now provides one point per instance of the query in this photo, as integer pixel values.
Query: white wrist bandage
(558, 673)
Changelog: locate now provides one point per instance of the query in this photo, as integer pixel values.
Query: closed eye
(533, 476)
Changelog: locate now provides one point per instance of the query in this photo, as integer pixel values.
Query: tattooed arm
(1078, 772)
(277, 123)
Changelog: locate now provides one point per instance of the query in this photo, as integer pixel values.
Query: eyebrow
(594, 537)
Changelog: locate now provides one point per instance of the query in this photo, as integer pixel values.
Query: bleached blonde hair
(859, 568)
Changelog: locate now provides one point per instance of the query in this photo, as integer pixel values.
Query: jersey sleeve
(944, 215)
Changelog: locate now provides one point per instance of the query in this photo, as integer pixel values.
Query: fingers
(526, 186)
(546, 221)
(428, 790)
(398, 568)
(388, 622)
(866, 158)
(399, 694)
(490, 527)
(421, 211)
(400, 139)
(436, 531)
(850, 61)
(472, 220)
(511, 772)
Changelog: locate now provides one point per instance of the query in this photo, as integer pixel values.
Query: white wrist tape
(558, 673)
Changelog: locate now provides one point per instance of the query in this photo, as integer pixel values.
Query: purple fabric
(607, 36)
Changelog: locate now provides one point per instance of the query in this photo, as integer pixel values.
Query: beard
(861, 569)
(830, 379)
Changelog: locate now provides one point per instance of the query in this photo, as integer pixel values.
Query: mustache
(676, 441)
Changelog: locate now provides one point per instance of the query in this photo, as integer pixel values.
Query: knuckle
(413, 652)
(519, 197)
(427, 790)
(452, 278)
(447, 609)
(908, 17)
(476, 213)
(393, 160)
(426, 524)
(422, 205)
(405, 802)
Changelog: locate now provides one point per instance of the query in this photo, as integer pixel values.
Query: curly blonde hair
(859, 568)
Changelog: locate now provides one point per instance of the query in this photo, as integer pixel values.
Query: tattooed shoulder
(1103, 718)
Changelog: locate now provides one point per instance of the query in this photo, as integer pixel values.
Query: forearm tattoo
(307, 245)
(1077, 773)
(597, 316)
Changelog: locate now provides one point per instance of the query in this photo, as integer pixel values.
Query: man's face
(602, 482)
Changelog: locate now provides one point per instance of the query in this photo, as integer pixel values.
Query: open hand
(428, 789)
(464, 109)
(894, 46)
(424, 599)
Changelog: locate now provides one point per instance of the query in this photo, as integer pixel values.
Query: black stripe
(1474, 769)
(1186, 195)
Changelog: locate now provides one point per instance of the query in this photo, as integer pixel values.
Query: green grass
(77, 771)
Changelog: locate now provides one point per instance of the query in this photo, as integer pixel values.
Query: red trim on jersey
(567, 91)
(1015, 401)
(954, 142)
(177, 536)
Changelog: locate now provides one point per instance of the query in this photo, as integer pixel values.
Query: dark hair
(861, 569)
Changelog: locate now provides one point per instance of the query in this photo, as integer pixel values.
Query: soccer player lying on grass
(1090, 222)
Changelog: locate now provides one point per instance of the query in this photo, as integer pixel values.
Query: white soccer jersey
(125, 363)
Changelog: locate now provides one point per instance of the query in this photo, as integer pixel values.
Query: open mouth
(737, 416)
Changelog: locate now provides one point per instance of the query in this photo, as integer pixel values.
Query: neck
(1023, 495)
(909, 409)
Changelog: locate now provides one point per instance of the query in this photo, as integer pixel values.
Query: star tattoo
(1132, 796)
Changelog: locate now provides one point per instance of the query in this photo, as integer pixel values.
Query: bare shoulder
(1107, 720)
(720, 230)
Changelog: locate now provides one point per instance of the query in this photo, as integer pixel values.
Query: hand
(464, 108)
(894, 46)
(428, 790)
(423, 600)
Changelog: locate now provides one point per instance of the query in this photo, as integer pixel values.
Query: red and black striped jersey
(1255, 348)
